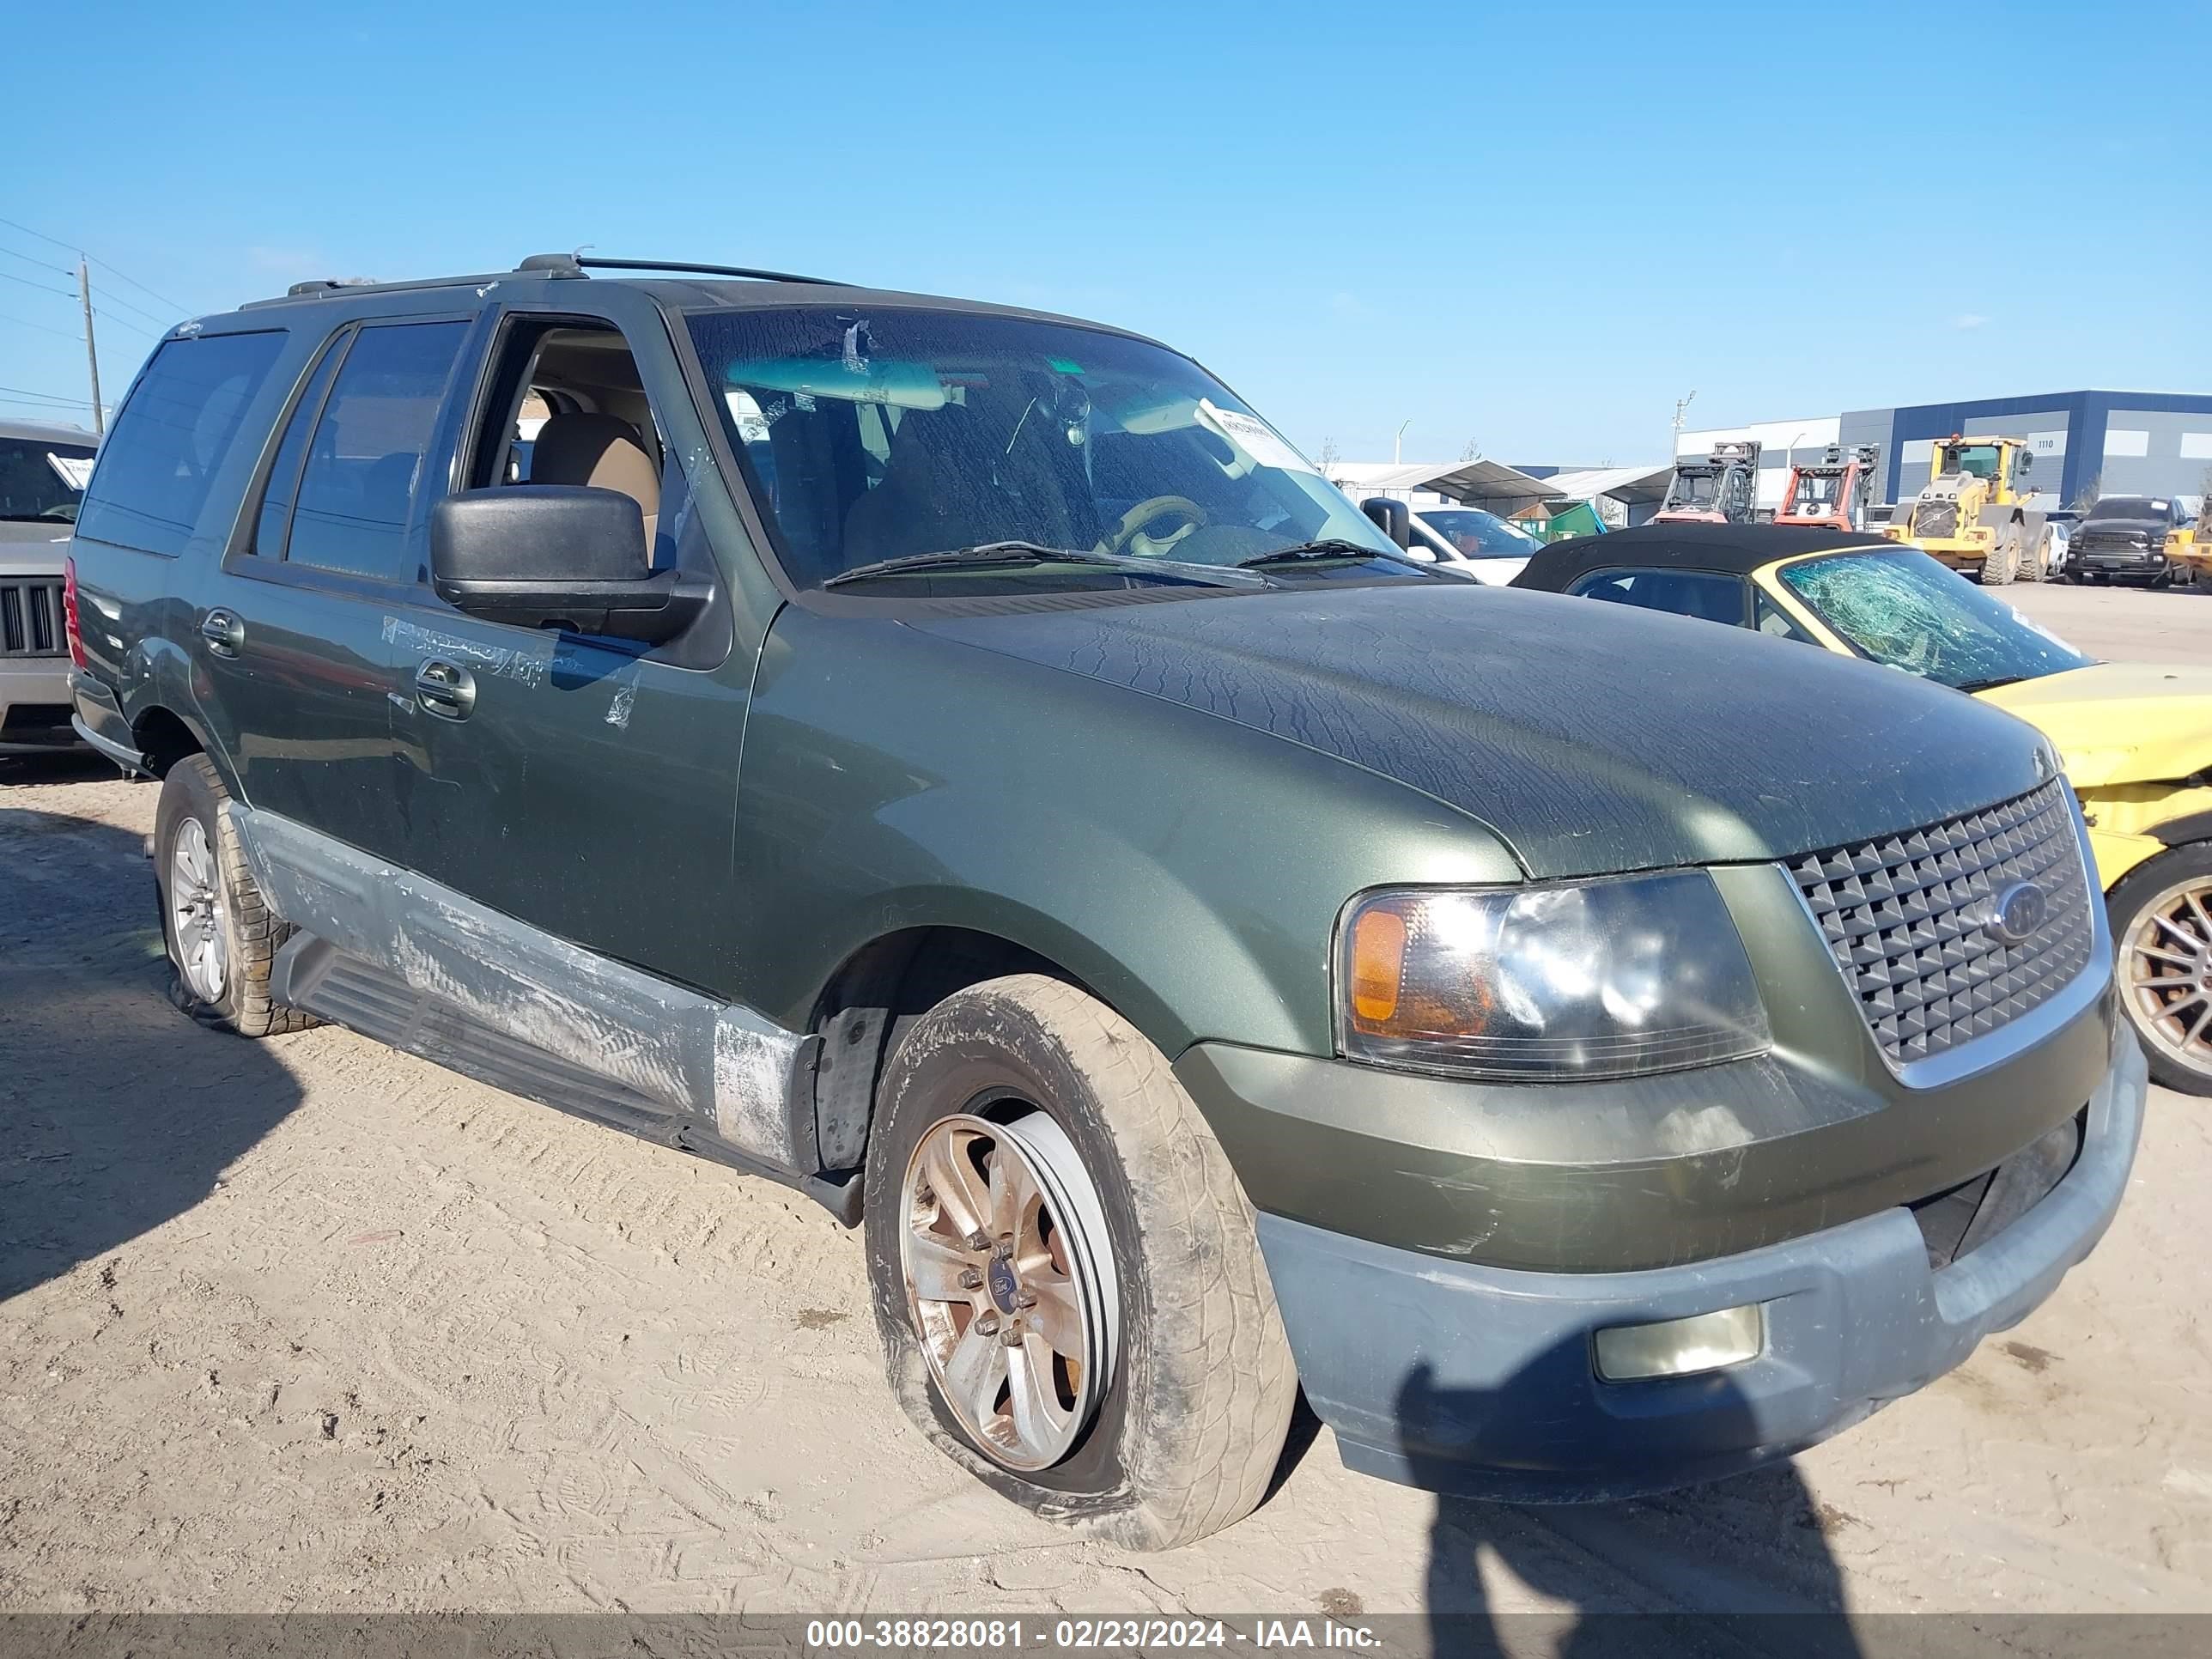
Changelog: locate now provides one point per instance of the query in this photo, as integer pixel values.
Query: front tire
(221, 939)
(2161, 917)
(2003, 563)
(1046, 1211)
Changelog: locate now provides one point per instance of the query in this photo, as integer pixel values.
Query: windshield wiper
(1329, 547)
(1022, 552)
(1972, 686)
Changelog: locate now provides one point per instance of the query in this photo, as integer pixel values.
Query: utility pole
(1398, 443)
(1682, 408)
(91, 351)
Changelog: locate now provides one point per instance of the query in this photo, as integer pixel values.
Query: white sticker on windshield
(75, 470)
(1254, 438)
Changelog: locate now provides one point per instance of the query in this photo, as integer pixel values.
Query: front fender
(1189, 870)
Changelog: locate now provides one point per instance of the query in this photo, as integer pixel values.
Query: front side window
(1706, 595)
(173, 431)
(1475, 534)
(906, 435)
(41, 479)
(1903, 609)
(1770, 619)
(365, 460)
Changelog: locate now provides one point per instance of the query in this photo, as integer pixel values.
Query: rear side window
(180, 422)
(1703, 594)
(365, 460)
(274, 521)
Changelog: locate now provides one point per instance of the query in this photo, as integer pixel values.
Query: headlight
(1598, 979)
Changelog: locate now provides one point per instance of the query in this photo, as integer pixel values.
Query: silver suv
(42, 477)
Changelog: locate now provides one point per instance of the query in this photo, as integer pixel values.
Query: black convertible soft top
(1734, 549)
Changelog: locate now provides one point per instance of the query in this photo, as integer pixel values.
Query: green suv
(964, 764)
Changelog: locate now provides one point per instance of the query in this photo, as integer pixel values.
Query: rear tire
(1188, 1413)
(2161, 917)
(221, 939)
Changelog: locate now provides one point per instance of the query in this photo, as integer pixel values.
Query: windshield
(1817, 492)
(42, 480)
(893, 434)
(1699, 488)
(1903, 609)
(2127, 507)
(1975, 460)
(1475, 534)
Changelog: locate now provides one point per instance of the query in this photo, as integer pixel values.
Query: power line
(24, 322)
(113, 299)
(141, 287)
(71, 247)
(104, 317)
(25, 393)
(40, 265)
(9, 275)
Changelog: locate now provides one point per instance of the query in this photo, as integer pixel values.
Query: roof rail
(576, 264)
(538, 264)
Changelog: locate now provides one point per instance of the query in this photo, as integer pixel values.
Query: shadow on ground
(117, 1113)
(1739, 1563)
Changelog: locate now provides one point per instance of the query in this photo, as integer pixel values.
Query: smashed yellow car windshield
(1903, 609)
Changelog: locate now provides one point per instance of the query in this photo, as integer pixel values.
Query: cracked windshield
(918, 452)
(1903, 608)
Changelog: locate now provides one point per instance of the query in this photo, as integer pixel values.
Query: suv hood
(2120, 722)
(1592, 739)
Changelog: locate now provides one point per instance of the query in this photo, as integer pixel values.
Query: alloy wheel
(1010, 1280)
(2166, 969)
(196, 913)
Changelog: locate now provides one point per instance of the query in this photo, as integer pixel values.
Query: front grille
(1937, 518)
(2133, 545)
(31, 618)
(1908, 920)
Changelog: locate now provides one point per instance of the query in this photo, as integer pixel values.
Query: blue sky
(1530, 227)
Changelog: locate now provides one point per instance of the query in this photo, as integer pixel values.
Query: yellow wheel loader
(1972, 514)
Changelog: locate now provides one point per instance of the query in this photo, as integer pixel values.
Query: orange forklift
(1831, 493)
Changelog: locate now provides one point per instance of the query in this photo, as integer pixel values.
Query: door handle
(223, 632)
(445, 689)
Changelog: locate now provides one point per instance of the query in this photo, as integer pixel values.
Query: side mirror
(2027, 460)
(1393, 519)
(558, 555)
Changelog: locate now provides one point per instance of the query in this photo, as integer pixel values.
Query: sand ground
(308, 1324)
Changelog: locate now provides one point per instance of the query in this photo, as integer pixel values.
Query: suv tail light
(69, 614)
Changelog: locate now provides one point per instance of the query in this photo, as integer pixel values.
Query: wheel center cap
(1004, 1285)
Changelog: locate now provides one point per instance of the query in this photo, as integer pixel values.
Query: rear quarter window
(181, 422)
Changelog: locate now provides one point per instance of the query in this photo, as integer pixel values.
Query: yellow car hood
(2119, 722)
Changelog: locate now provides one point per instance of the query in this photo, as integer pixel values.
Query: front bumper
(34, 705)
(2143, 564)
(1479, 1380)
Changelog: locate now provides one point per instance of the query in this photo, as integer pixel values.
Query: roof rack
(538, 264)
(576, 264)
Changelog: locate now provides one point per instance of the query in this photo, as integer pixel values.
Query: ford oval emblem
(2019, 912)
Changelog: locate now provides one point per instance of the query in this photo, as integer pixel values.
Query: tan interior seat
(602, 452)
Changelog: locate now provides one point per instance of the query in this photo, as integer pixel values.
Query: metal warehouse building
(2119, 443)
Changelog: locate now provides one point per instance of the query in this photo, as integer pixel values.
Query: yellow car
(2135, 740)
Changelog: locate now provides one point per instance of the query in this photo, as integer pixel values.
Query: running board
(312, 973)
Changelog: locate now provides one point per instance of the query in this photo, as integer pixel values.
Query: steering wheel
(1117, 540)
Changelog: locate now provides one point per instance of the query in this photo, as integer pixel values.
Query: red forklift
(1831, 493)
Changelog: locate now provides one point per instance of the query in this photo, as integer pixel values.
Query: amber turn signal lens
(1378, 964)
